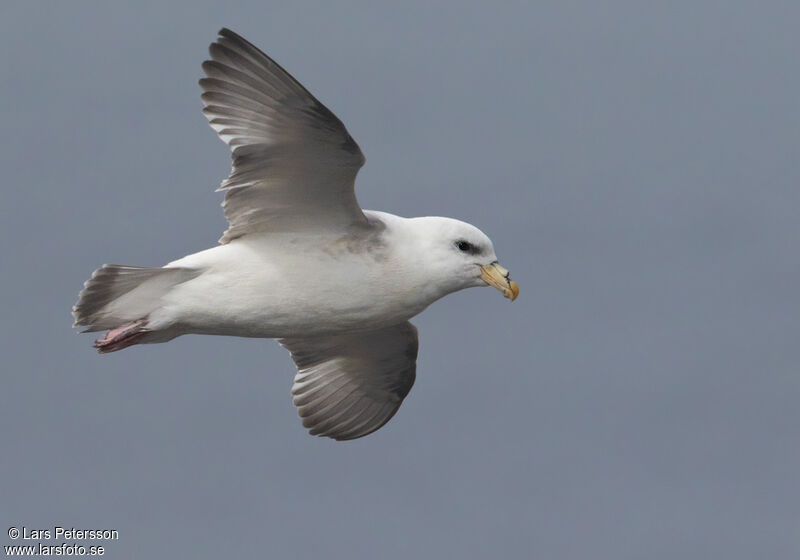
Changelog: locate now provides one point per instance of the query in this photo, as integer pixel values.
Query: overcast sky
(636, 165)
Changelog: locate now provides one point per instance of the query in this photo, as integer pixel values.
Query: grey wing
(348, 386)
(294, 163)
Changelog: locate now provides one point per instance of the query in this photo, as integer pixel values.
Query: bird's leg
(122, 337)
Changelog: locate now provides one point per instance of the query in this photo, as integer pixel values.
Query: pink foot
(122, 337)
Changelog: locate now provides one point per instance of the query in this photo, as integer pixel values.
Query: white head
(457, 255)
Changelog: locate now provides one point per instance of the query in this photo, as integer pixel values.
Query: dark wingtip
(225, 32)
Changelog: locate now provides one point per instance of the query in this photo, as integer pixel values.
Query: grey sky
(636, 167)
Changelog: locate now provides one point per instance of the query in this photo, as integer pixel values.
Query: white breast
(284, 285)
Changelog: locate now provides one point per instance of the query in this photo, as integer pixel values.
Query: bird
(300, 261)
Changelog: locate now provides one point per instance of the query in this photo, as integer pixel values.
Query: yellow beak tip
(497, 277)
(513, 290)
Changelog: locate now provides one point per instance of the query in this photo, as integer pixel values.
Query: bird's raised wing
(348, 386)
(294, 163)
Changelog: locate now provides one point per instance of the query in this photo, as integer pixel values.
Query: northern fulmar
(300, 261)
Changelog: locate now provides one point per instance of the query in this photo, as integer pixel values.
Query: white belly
(284, 286)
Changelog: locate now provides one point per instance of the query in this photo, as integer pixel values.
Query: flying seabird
(300, 261)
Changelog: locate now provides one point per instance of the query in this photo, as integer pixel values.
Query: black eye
(465, 246)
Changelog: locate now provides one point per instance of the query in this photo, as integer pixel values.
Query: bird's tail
(121, 298)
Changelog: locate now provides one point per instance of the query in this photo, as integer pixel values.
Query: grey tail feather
(99, 306)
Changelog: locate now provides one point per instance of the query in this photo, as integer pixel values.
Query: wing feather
(348, 386)
(294, 163)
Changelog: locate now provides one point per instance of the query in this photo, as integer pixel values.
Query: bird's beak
(498, 277)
